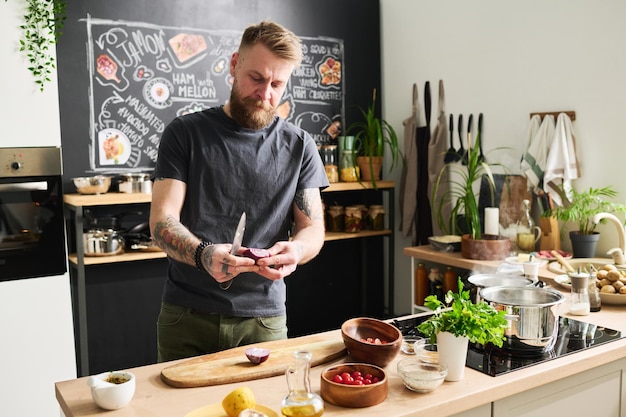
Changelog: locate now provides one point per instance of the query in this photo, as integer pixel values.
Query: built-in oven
(32, 227)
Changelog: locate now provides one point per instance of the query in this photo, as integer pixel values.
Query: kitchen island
(583, 383)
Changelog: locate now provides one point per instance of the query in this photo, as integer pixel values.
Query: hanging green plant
(42, 26)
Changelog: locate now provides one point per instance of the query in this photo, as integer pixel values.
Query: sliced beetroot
(256, 253)
(257, 355)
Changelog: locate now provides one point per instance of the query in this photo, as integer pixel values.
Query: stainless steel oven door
(32, 235)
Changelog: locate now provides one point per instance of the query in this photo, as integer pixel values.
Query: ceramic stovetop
(573, 336)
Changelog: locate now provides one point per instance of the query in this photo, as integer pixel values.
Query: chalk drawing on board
(142, 73)
(158, 93)
(114, 147)
(191, 108)
(110, 73)
(286, 108)
(186, 46)
(329, 70)
(220, 66)
(164, 65)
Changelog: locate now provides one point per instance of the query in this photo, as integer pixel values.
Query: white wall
(36, 329)
(29, 117)
(507, 59)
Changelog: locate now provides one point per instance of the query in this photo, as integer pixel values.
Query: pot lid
(522, 296)
(496, 280)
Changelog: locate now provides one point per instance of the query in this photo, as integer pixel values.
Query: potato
(608, 289)
(238, 400)
(618, 285)
(605, 282)
(622, 290)
(613, 275)
(608, 267)
(601, 274)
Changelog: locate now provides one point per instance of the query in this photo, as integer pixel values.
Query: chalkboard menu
(126, 68)
(143, 75)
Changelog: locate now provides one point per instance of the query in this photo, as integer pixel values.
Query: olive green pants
(183, 332)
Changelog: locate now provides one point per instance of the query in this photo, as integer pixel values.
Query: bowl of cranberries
(353, 385)
(371, 340)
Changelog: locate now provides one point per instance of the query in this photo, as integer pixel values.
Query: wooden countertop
(155, 398)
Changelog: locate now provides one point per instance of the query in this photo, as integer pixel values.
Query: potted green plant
(583, 208)
(458, 200)
(371, 135)
(43, 21)
(463, 322)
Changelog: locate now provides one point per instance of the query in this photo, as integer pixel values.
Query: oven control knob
(15, 165)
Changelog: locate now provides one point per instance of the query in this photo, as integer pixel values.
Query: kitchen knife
(241, 228)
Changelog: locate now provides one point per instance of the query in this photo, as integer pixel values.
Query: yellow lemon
(238, 400)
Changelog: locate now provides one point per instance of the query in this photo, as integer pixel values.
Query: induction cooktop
(573, 336)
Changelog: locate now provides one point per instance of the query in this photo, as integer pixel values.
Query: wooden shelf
(140, 256)
(88, 200)
(124, 257)
(364, 233)
(355, 186)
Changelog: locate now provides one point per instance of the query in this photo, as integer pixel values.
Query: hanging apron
(437, 149)
(408, 182)
(423, 218)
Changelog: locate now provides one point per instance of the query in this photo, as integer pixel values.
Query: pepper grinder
(579, 301)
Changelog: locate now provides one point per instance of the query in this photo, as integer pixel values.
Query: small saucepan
(532, 315)
(135, 183)
(100, 242)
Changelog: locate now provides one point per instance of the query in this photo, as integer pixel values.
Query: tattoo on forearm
(172, 236)
(304, 201)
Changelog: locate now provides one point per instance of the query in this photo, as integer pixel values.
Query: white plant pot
(452, 352)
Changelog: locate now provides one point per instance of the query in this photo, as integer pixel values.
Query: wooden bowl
(355, 333)
(354, 396)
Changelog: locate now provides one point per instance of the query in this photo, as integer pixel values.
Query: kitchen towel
(408, 181)
(423, 217)
(534, 160)
(562, 164)
(436, 151)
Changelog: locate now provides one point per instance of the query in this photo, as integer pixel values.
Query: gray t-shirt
(228, 170)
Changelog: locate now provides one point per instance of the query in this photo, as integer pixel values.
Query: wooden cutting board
(232, 365)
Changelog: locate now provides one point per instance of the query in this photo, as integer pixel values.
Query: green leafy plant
(460, 195)
(42, 26)
(372, 134)
(584, 205)
(479, 322)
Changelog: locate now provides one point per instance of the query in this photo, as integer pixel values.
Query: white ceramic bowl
(112, 390)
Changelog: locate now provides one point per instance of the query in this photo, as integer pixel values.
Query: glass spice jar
(353, 219)
(377, 217)
(335, 219)
(329, 156)
(364, 211)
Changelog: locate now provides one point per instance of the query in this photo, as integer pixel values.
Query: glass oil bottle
(301, 401)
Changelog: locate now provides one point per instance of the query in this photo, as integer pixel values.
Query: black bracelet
(198, 255)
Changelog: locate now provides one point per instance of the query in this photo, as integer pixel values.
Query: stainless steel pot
(99, 242)
(480, 281)
(532, 314)
(135, 183)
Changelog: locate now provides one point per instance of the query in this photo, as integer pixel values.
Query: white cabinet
(596, 393)
(481, 411)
